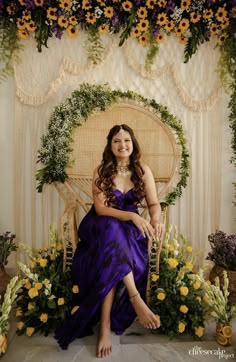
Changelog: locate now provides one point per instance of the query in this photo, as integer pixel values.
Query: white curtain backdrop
(191, 91)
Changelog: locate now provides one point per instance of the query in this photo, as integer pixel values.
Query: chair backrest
(159, 150)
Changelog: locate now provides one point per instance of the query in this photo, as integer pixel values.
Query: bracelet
(133, 296)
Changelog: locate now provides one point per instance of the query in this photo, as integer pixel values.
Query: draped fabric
(191, 91)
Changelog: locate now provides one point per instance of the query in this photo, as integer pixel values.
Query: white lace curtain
(191, 91)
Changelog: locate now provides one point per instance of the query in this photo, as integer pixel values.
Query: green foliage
(175, 293)
(95, 47)
(153, 49)
(198, 37)
(55, 150)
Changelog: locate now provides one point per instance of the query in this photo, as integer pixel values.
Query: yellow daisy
(72, 32)
(135, 33)
(162, 3)
(26, 15)
(169, 26)
(160, 38)
(108, 12)
(38, 2)
(21, 24)
(185, 4)
(183, 40)
(90, 18)
(65, 4)
(150, 4)
(62, 21)
(221, 38)
(142, 12)
(207, 14)
(103, 29)
(73, 20)
(86, 5)
(214, 29)
(184, 24)
(195, 17)
(162, 19)
(31, 26)
(224, 24)
(127, 5)
(51, 13)
(178, 32)
(221, 14)
(143, 40)
(143, 25)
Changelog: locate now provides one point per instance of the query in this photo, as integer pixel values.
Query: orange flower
(181, 327)
(221, 39)
(43, 317)
(20, 325)
(108, 12)
(195, 17)
(33, 292)
(60, 301)
(184, 24)
(199, 331)
(135, 33)
(62, 21)
(160, 38)
(178, 32)
(162, 3)
(90, 18)
(26, 15)
(72, 32)
(51, 13)
(185, 4)
(103, 29)
(143, 40)
(207, 14)
(150, 4)
(21, 24)
(73, 20)
(221, 14)
(169, 26)
(183, 290)
(143, 25)
(142, 12)
(29, 331)
(86, 5)
(31, 26)
(162, 19)
(127, 5)
(75, 289)
(65, 4)
(224, 24)
(23, 34)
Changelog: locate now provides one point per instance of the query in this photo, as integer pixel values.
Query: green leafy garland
(55, 150)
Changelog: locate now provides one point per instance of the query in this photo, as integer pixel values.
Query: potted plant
(223, 254)
(7, 245)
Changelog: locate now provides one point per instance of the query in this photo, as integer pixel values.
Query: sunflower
(162, 19)
(143, 25)
(183, 40)
(185, 4)
(195, 17)
(178, 32)
(214, 29)
(73, 20)
(108, 12)
(162, 3)
(142, 12)
(224, 23)
(62, 21)
(103, 29)
(169, 26)
(26, 15)
(160, 38)
(21, 24)
(72, 32)
(30, 26)
(23, 34)
(221, 14)
(127, 5)
(51, 13)
(221, 38)
(65, 4)
(38, 2)
(184, 24)
(11, 9)
(207, 14)
(86, 5)
(136, 32)
(90, 18)
(150, 4)
(143, 39)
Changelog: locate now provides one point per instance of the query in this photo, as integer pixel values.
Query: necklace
(123, 169)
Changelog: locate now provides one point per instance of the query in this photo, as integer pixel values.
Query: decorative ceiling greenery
(55, 150)
(192, 22)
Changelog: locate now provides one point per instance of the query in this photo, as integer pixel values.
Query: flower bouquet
(47, 294)
(176, 294)
(7, 245)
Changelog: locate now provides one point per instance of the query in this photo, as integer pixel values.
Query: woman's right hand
(143, 225)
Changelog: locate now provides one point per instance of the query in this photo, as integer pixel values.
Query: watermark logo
(221, 353)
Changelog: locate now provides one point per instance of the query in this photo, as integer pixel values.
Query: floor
(137, 345)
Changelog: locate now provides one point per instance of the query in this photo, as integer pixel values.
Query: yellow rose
(43, 262)
(171, 248)
(33, 293)
(75, 289)
(27, 285)
(189, 265)
(18, 312)
(32, 264)
(184, 291)
(38, 286)
(60, 301)
(172, 262)
(205, 298)
(74, 309)
(196, 285)
(30, 306)
(199, 331)
(181, 327)
(3, 343)
(189, 249)
(59, 247)
(29, 331)
(43, 317)
(183, 309)
(20, 325)
(161, 296)
(154, 277)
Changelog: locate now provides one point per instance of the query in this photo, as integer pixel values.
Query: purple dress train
(109, 249)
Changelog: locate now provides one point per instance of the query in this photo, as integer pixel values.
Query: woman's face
(122, 145)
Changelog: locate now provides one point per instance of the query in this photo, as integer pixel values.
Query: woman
(111, 261)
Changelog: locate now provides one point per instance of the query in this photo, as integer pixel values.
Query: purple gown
(109, 249)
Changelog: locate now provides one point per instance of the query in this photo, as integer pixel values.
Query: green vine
(95, 48)
(55, 149)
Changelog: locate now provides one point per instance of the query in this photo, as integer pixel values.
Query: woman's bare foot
(145, 316)
(104, 345)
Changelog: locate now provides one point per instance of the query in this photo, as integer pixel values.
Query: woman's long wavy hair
(107, 169)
